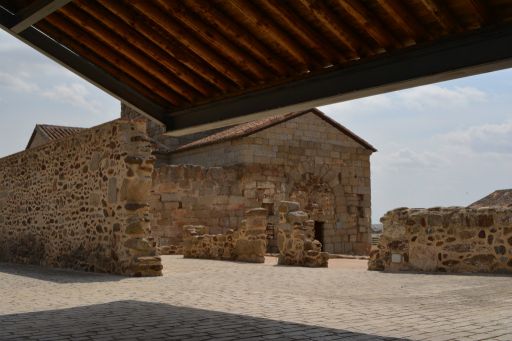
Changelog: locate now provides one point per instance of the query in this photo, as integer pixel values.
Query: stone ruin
(248, 243)
(296, 238)
(445, 239)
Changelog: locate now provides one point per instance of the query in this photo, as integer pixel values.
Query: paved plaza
(205, 300)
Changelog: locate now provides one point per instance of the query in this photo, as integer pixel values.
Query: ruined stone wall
(296, 238)
(305, 160)
(81, 202)
(453, 239)
(247, 243)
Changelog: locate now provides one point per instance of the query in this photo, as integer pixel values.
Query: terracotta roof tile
(499, 198)
(58, 132)
(252, 127)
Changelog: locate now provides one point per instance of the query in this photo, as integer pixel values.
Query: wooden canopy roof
(195, 62)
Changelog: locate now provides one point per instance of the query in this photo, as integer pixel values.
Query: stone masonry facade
(453, 239)
(305, 159)
(81, 202)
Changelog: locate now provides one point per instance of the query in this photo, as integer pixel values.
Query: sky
(444, 144)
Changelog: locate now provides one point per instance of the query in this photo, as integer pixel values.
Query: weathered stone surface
(452, 239)
(304, 160)
(295, 239)
(245, 244)
(60, 203)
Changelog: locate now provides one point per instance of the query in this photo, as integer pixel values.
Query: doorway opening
(319, 232)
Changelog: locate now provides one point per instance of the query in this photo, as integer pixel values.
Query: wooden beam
(405, 19)
(77, 37)
(236, 32)
(177, 32)
(33, 13)
(337, 28)
(268, 30)
(370, 23)
(480, 10)
(83, 68)
(172, 47)
(314, 41)
(442, 14)
(114, 41)
(215, 40)
(446, 59)
(189, 78)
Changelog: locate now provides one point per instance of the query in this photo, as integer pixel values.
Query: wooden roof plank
(480, 10)
(442, 14)
(172, 47)
(280, 39)
(77, 37)
(178, 32)
(181, 79)
(370, 23)
(216, 40)
(337, 28)
(405, 19)
(296, 25)
(239, 34)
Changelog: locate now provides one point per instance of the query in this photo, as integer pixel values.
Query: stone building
(211, 178)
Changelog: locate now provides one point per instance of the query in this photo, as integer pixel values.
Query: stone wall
(248, 243)
(450, 239)
(81, 202)
(217, 197)
(296, 238)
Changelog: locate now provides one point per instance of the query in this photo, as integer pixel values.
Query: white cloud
(19, 84)
(75, 94)
(436, 96)
(407, 159)
(484, 139)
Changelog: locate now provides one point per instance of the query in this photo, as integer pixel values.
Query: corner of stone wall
(136, 245)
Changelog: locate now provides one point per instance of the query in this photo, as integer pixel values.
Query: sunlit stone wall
(81, 202)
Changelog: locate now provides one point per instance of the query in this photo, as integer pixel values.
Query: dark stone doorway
(319, 232)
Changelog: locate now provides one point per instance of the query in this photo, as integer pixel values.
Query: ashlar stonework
(452, 239)
(245, 244)
(296, 238)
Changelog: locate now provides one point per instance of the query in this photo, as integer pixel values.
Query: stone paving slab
(205, 300)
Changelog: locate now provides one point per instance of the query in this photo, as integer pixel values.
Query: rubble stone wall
(81, 202)
(453, 239)
(248, 243)
(296, 238)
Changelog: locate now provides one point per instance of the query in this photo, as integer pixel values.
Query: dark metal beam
(471, 54)
(82, 67)
(36, 11)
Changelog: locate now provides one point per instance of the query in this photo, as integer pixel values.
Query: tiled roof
(249, 128)
(53, 132)
(499, 198)
(58, 132)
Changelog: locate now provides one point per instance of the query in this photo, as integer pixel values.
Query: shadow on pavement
(135, 320)
(57, 275)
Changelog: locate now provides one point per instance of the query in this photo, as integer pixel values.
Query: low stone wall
(296, 238)
(450, 239)
(81, 202)
(245, 244)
